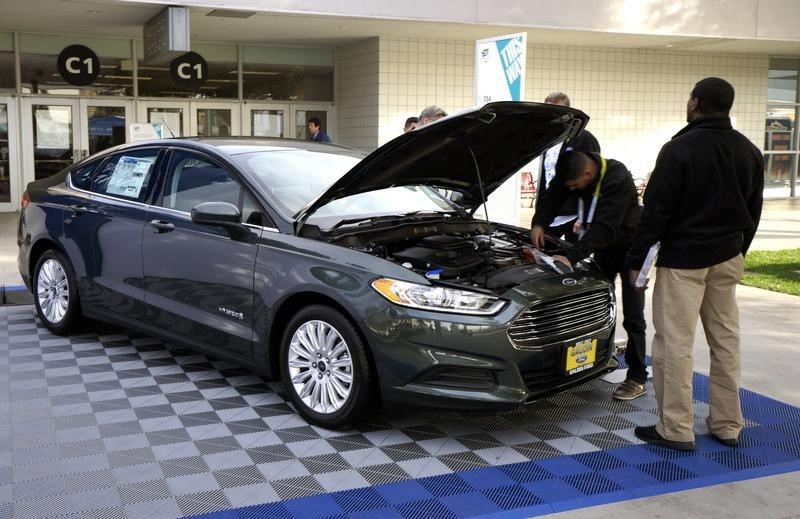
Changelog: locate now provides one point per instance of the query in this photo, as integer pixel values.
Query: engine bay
(471, 254)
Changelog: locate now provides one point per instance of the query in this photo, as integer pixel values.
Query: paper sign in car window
(129, 176)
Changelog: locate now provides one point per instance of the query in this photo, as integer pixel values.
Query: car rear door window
(126, 175)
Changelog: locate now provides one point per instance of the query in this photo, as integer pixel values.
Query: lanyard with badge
(595, 198)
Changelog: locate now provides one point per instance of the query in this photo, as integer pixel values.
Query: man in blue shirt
(315, 128)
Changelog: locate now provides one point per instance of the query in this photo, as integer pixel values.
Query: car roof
(231, 146)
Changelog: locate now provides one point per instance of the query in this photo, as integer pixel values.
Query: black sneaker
(650, 435)
(730, 442)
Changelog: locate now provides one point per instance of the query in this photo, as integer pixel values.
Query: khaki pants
(680, 295)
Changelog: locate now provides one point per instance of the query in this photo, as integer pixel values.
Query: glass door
(51, 136)
(302, 113)
(215, 119)
(106, 123)
(265, 120)
(170, 117)
(9, 167)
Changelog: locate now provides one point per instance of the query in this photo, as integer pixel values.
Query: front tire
(55, 293)
(325, 368)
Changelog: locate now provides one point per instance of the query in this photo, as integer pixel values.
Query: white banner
(500, 76)
(500, 68)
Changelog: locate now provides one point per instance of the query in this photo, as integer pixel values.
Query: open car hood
(502, 137)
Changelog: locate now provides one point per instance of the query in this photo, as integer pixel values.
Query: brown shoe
(629, 390)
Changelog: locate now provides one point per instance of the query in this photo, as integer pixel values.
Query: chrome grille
(562, 318)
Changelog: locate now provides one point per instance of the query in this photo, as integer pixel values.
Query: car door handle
(78, 209)
(162, 226)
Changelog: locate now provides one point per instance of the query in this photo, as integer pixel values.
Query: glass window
(266, 123)
(193, 179)
(106, 127)
(253, 214)
(7, 82)
(287, 74)
(214, 122)
(126, 175)
(782, 84)
(222, 82)
(39, 70)
(52, 139)
(170, 119)
(781, 140)
(81, 177)
(781, 128)
(302, 117)
(5, 165)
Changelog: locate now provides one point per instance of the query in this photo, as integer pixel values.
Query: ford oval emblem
(569, 282)
(580, 359)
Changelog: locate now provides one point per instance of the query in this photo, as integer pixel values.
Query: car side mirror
(220, 214)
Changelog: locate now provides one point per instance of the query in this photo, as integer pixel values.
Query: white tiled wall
(415, 73)
(636, 98)
(356, 90)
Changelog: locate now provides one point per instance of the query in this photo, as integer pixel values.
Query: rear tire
(325, 368)
(55, 293)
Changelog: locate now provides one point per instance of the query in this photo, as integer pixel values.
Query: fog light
(620, 345)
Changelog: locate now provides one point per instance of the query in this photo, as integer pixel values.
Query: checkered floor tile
(117, 424)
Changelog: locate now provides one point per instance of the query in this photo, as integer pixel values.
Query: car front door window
(192, 179)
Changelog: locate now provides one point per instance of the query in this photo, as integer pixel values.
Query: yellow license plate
(581, 356)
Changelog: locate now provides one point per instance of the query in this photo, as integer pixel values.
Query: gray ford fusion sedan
(356, 279)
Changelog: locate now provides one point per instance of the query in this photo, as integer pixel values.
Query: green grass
(776, 270)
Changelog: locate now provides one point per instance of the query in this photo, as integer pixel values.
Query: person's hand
(632, 276)
(537, 236)
(577, 228)
(562, 259)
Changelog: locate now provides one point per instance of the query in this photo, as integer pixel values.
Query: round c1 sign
(78, 65)
(189, 71)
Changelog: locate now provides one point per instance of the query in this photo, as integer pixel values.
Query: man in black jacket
(611, 205)
(703, 203)
(562, 225)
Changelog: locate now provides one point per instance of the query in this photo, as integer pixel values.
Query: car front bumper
(471, 363)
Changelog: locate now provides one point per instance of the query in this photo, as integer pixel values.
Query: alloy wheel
(320, 367)
(52, 291)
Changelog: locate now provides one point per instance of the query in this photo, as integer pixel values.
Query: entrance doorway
(60, 132)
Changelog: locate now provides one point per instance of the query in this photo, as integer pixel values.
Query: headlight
(437, 298)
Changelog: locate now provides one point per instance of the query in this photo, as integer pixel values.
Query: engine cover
(455, 256)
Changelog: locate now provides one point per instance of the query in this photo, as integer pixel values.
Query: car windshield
(295, 177)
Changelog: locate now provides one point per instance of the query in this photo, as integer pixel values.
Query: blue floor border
(769, 445)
